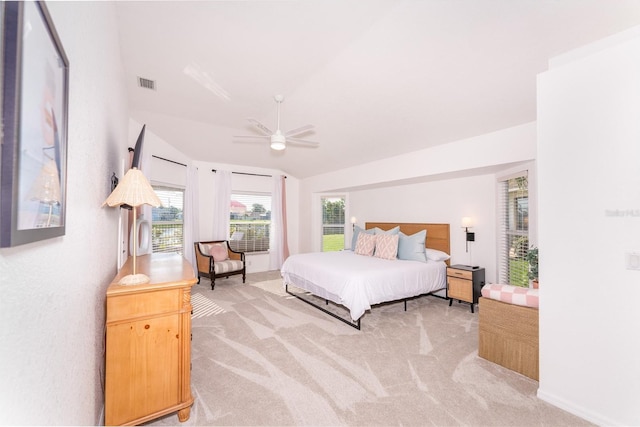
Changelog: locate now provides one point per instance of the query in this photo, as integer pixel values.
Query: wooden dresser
(148, 353)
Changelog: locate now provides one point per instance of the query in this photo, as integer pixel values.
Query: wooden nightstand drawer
(460, 289)
(462, 274)
(464, 283)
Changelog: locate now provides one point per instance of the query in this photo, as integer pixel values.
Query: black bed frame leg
(345, 321)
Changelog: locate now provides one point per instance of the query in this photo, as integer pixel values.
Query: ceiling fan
(278, 138)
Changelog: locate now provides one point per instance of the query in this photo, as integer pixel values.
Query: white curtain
(191, 215)
(221, 205)
(278, 247)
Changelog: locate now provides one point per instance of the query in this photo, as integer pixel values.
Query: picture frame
(35, 97)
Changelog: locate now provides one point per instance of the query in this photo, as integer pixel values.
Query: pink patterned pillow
(366, 244)
(219, 252)
(387, 246)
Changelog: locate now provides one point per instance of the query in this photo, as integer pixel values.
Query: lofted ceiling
(377, 78)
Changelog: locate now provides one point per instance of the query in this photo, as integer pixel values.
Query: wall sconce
(353, 222)
(471, 237)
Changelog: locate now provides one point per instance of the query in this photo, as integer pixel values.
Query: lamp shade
(134, 190)
(466, 222)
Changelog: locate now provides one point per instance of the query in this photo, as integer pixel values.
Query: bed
(358, 282)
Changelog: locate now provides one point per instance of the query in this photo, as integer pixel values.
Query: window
(513, 229)
(250, 221)
(333, 223)
(167, 221)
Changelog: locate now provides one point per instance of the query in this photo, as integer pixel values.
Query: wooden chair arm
(237, 255)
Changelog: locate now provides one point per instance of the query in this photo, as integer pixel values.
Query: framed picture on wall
(35, 93)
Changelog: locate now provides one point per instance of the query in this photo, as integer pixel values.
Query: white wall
(444, 201)
(52, 307)
(588, 166)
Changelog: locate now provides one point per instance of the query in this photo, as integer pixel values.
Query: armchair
(216, 259)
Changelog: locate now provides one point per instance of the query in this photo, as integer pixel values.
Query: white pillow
(436, 255)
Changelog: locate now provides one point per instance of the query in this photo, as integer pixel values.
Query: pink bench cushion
(510, 294)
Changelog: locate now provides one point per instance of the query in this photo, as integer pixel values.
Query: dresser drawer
(133, 305)
(462, 274)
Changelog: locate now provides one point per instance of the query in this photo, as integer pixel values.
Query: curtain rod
(170, 161)
(247, 173)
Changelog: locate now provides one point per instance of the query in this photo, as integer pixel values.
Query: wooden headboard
(438, 235)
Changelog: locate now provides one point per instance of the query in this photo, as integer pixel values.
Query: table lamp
(134, 190)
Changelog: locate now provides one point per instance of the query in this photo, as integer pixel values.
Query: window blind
(333, 221)
(167, 234)
(250, 221)
(513, 229)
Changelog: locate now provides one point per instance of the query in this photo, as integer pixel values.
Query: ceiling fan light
(278, 142)
(277, 145)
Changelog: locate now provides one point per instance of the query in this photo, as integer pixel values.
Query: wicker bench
(508, 333)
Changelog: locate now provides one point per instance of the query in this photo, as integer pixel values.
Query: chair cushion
(227, 266)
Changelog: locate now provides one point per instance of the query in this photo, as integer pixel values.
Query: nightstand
(464, 283)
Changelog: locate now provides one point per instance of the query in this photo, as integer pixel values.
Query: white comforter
(358, 281)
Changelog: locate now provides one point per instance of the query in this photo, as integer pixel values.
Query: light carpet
(269, 359)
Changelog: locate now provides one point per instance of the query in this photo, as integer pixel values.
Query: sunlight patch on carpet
(272, 286)
(203, 306)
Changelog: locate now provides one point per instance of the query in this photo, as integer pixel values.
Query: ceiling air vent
(146, 83)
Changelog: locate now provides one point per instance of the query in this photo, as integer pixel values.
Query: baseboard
(576, 410)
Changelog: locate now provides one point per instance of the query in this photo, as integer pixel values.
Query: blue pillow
(412, 247)
(357, 230)
(392, 231)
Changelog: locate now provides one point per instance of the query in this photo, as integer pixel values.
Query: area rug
(269, 359)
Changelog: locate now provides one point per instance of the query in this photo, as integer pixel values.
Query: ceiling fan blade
(252, 136)
(298, 131)
(260, 126)
(303, 142)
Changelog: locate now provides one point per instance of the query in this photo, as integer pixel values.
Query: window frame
(323, 226)
(156, 225)
(525, 169)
